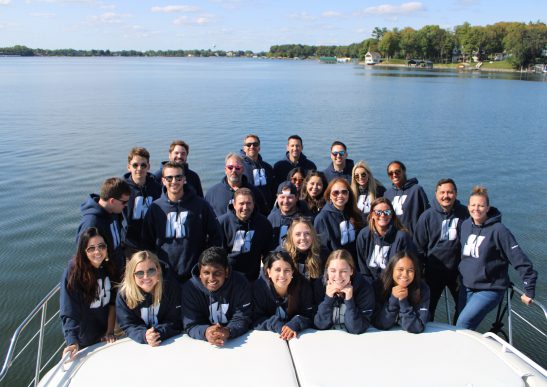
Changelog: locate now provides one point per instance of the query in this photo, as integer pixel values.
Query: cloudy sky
(235, 24)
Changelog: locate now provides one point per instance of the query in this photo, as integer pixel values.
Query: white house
(372, 58)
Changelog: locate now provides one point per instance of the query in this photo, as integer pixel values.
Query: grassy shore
(502, 66)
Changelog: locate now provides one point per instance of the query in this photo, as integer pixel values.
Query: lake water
(66, 124)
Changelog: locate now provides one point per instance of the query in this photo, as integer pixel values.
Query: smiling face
(286, 202)
(178, 154)
(175, 187)
(446, 196)
(243, 206)
(478, 208)
(339, 195)
(403, 272)
(150, 278)
(294, 147)
(96, 251)
(251, 147)
(234, 171)
(339, 272)
(139, 167)
(382, 221)
(297, 179)
(361, 177)
(315, 186)
(301, 237)
(213, 276)
(396, 175)
(338, 155)
(280, 274)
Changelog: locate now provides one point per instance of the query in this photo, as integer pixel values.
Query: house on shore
(372, 58)
(419, 63)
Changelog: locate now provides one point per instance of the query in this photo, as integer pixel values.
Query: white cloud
(197, 21)
(45, 15)
(390, 10)
(333, 14)
(62, 1)
(302, 16)
(175, 8)
(108, 18)
(5, 2)
(138, 32)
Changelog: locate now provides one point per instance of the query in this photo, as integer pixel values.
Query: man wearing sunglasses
(144, 190)
(341, 166)
(179, 225)
(178, 153)
(104, 212)
(258, 172)
(293, 158)
(221, 195)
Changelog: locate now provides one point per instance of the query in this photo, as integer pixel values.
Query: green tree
(389, 45)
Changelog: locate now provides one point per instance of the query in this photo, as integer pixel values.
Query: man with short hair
(145, 188)
(246, 234)
(179, 225)
(104, 212)
(258, 172)
(437, 238)
(178, 153)
(217, 300)
(221, 195)
(286, 208)
(340, 166)
(293, 158)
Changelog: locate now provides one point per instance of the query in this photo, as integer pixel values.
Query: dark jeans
(437, 279)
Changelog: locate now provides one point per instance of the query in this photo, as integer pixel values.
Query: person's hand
(72, 349)
(108, 338)
(399, 292)
(217, 334)
(152, 337)
(526, 300)
(287, 333)
(332, 289)
(348, 291)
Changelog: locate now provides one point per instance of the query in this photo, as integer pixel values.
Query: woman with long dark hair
(312, 191)
(87, 308)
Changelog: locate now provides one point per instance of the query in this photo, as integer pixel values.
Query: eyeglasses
(176, 177)
(124, 202)
(394, 172)
(361, 175)
(136, 165)
(149, 273)
(297, 179)
(99, 247)
(237, 167)
(336, 192)
(339, 153)
(385, 212)
(250, 144)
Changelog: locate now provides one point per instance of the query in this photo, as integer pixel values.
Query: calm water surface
(67, 123)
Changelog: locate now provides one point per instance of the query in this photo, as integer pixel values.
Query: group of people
(280, 248)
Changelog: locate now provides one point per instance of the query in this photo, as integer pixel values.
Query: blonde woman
(148, 306)
(365, 187)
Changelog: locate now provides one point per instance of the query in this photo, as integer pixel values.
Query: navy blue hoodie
(364, 200)
(284, 166)
(374, 251)
(260, 174)
(487, 251)
(335, 231)
(140, 200)
(229, 306)
(192, 179)
(331, 173)
(301, 261)
(270, 311)
(437, 236)
(409, 202)
(110, 226)
(221, 195)
(166, 318)
(281, 223)
(411, 318)
(178, 232)
(247, 242)
(358, 311)
(85, 324)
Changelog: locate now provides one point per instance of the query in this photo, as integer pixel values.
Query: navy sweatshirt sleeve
(304, 318)
(241, 319)
(70, 312)
(264, 317)
(195, 312)
(130, 320)
(360, 307)
(411, 319)
(169, 316)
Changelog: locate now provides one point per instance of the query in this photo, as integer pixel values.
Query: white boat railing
(11, 355)
(512, 312)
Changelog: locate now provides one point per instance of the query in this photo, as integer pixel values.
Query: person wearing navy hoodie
(178, 153)
(179, 225)
(341, 166)
(402, 298)
(408, 198)
(381, 239)
(221, 195)
(488, 249)
(148, 306)
(217, 300)
(258, 172)
(282, 298)
(286, 208)
(437, 239)
(293, 158)
(87, 294)
(104, 211)
(145, 188)
(246, 235)
(345, 298)
(339, 222)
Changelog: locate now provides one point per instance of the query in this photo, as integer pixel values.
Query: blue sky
(235, 24)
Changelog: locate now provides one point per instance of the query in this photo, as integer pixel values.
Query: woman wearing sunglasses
(297, 176)
(148, 305)
(312, 191)
(339, 221)
(87, 295)
(365, 187)
(381, 239)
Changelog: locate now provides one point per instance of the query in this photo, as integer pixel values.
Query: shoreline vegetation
(503, 46)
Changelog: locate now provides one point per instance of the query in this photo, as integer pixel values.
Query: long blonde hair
(372, 184)
(129, 289)
(313, 260)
